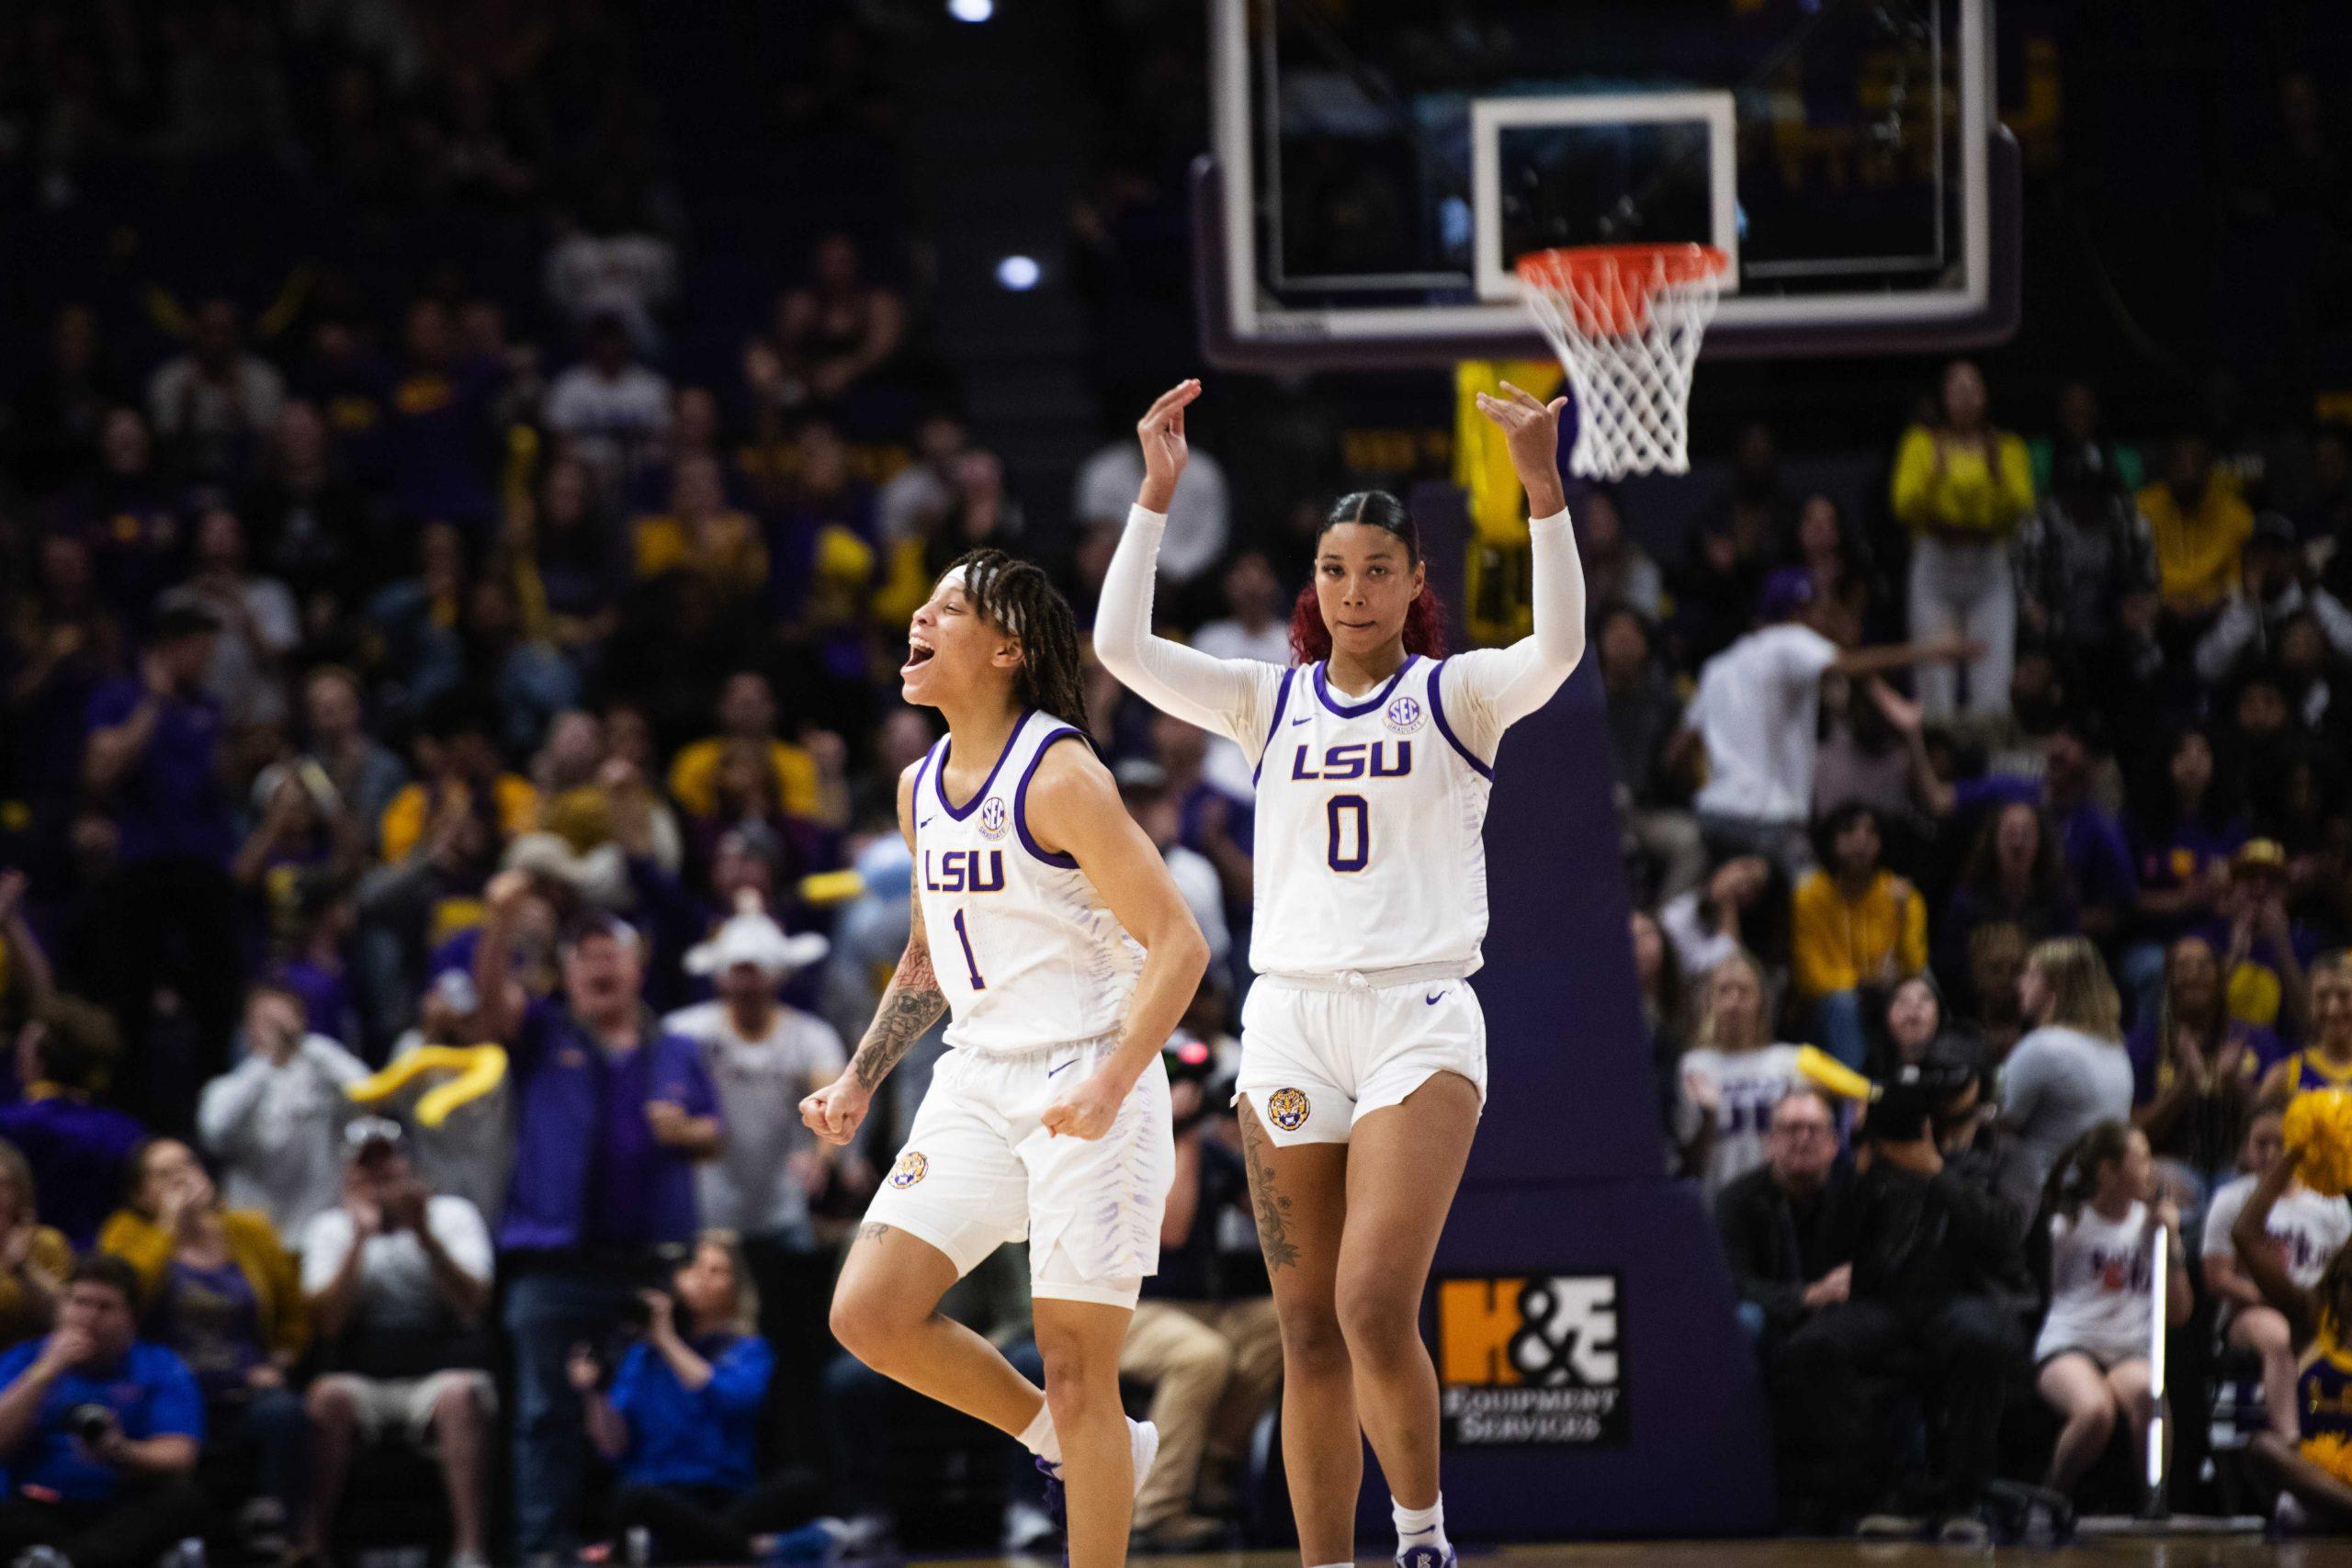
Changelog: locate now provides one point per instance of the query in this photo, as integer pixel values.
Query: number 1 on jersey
(970, 962)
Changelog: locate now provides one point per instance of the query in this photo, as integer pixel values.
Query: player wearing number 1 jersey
(1364, 1062)
(1046, 923)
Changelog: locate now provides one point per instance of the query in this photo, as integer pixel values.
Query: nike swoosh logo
(924, 823)
(1071, 1063)
(1298, 719)
(1433, 999)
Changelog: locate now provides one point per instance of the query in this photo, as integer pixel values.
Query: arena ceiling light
(971, 10)
(1020, 274)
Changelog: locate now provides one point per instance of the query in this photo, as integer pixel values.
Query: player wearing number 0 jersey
(1363, 1063)
(1046, 923)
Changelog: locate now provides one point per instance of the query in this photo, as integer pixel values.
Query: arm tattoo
(910, 1005)
(1273, 1209)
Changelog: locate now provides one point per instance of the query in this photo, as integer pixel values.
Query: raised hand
(1532, 432)
(1165, 452)
(834, 1111)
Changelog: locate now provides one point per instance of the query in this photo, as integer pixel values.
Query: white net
(1627, 327)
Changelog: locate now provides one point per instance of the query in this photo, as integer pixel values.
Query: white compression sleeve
(1222, 695)
(1498, 687)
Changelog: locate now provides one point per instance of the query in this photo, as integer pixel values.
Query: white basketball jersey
(1369, 820)
(1026, 950)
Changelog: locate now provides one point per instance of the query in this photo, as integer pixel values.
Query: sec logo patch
(911, 1167)
(1286, 1108)
(1403, 717)
(993, 817)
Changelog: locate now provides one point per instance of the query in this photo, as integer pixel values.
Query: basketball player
(1363, 1060)
(1049, 1116)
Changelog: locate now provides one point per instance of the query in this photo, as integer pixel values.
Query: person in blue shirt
(612, 1114)
(680, 1420)
(99, 1431)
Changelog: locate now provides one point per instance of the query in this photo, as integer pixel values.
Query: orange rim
(1610, 286)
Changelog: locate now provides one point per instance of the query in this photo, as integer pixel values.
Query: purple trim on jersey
(1282, 706)
(1021, 798)
(923, 770)
(1377, 700)
(1437, 712)
(946, 754)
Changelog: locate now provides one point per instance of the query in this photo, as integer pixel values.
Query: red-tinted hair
(1310, 639)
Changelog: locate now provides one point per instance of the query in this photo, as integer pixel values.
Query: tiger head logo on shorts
(911, 1167)
(1286, 1108)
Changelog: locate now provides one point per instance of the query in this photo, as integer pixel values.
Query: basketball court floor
(2176, 1552)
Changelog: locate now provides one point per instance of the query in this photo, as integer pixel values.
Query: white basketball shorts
(979, 1170)
(1315, 1061)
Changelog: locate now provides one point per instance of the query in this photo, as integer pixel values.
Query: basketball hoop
(1626, 321)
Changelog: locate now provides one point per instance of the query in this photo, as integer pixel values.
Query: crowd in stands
(475, 637)
(2056, 833)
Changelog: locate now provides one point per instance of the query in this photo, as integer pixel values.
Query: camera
(1905, 1109)
(91, 1423)
(637, 1313)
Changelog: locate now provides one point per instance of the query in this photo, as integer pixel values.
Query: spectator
(1781, 1221)
(1252, 626)
(1213, 821)
(612, 1114)
(612, 413)
(398, 1279)
(1833, 555)
(831, 334)
(2090, 840)
(1643, 716)
(2182, 843)
(764, 1058)
(2268, 596)
(461, 774)
(1741, 907)
(1208, 1345)
(1143, 789)
(130, 516)
(1199, 519)
(2326, 1062)
(62, 643)
(613, 268)
(35, 1258)
(2263, 948)
(217, 398)
(1912, 1028)
(2106, 1222)
(27, 981)
(2070, 1074)
(1742, 1072)
(680, 1420)
(1856, 929)
(2305, 1230)
(2081, 440)
(2013, 877)
(2200, 526)
(260, 623)
(54, 419)
(1932, 1254)
(1755, 715)
(747, 711)
(364, 773)
(311, 522)
(1617, 570)
(573, 571)
(275, 1123)
(435, 445)
(702, 535)
(154, 754)
(218, 1289)
(2087, 576)
(913, 501)
(77, 1150)
(2194, 1074)
(121, 1498)
(1962, 487)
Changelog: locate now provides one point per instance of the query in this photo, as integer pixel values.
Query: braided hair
(1020, 600)
(1310, 639)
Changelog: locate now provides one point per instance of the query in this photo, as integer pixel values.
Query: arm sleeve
(2021, 1084)
(228, 1105)
(326, 1241)
(176, 1408)
(458, 1227)
(1224, 696)
(1489, 690)
(1782, 1299)
(2220, 648)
